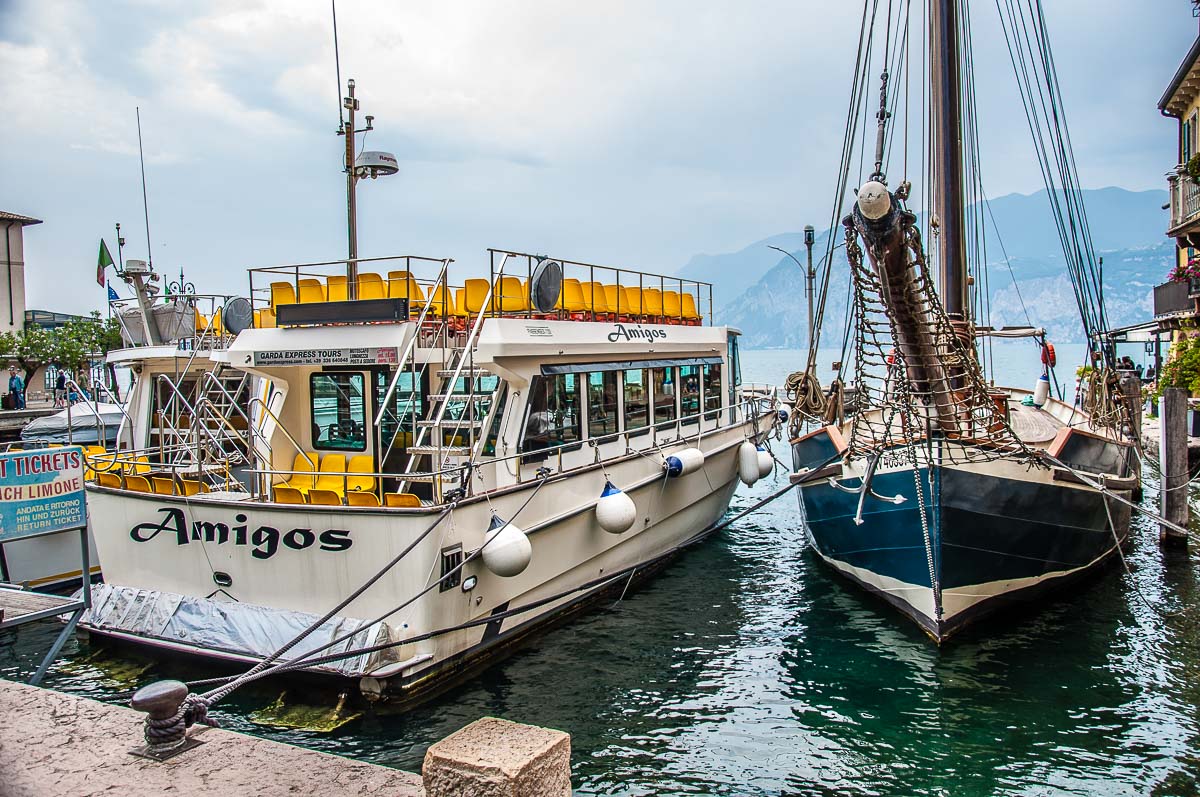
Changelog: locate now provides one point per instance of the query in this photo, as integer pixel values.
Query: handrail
(279, 425)
(551, 450)
(465, 351)
(95, 411)
(411, 344)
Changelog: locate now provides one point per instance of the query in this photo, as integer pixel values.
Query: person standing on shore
(60, 389)
(16, 386)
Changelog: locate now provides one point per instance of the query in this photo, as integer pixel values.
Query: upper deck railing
(187, 321)
(401, 287)
(1185, 198)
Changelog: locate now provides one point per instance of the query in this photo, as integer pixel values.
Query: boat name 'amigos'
(636, 333)
(264, 539)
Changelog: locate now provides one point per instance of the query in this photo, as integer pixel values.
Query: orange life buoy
(1048, 357)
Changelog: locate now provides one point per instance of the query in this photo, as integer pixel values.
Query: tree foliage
(72, 346)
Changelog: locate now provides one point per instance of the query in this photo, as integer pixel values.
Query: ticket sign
(41, 492)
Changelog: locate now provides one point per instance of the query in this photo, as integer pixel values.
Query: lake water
(746, 668)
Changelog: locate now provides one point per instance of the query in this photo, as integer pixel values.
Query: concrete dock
(58, 745)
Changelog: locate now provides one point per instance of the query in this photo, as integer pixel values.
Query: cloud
(619, 132)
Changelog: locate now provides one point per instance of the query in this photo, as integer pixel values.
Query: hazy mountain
(732, 273)
(1127, 227)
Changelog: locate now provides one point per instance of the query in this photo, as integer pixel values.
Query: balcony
(1185, 203)
(1175, 299)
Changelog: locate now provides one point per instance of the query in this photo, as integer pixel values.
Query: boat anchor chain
(863, 490)
(170, 710)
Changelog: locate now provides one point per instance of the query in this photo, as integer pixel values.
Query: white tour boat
(514, 447)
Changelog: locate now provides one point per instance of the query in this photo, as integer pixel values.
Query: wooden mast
(946, 125)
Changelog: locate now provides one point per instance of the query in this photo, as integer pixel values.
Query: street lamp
(368, 164)
(810, 275)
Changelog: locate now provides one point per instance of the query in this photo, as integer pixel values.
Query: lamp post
(809, 274)
(366, 164)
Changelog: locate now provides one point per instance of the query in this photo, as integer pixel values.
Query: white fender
(1041, 391)
(615, 511)
(507, 550)
(683, 462)
(748, 470)
(764, 461)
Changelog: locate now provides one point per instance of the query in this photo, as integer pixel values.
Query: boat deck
(19, 606)
(1033, 424)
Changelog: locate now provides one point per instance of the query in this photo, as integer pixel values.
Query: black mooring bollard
(166, 719)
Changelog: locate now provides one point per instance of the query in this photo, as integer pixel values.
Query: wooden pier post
(1173, 455)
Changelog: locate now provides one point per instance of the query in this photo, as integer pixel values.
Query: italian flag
(102, 262)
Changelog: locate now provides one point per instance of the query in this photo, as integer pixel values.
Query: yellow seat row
(333, 475)
(511, 295)
(315, 497)
(398, 285)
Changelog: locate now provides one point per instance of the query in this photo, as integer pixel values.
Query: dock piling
(1173, 456)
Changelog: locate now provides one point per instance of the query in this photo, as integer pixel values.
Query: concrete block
(497, 758)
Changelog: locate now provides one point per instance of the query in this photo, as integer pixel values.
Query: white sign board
(365, 355)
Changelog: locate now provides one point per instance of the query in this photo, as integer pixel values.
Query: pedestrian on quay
(60, 389)
(16, 388)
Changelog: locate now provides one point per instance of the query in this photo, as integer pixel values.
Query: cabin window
(338, 411)
(637, 406)
(689, 393)
(602, 403)
(554, 417)
(664, 383)
(712, 390)
(735, 361)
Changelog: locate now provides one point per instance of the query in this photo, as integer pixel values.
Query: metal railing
(590, 274)
(1185, 197)
(1172, 298)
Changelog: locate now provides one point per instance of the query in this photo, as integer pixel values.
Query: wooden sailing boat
(946, 496)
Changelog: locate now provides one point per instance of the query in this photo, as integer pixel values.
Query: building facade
(12, 270)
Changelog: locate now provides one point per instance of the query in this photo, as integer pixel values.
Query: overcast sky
(631, 133)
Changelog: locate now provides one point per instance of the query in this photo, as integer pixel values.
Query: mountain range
(762, 292)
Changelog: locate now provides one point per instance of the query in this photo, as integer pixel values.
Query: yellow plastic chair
(191, 487)
(509, 296)
(474, 293)
(672, 307)
(217, 327)
(311, 290)
(652, 304)
(162, 485)
(571, 299)
(442, 303)
(362, 499)
(401, 285)
(201, 321)
(331, 476)
(287, 495)
(597, 299)
(689, 308)
(282, 293)
(614, 297)
(371, 286)
(336, 289)
(360, 464)
(106, 479)
(633, 300)
(304, 479)
(139, 484)
(324, 497)
(402, 500)
(139, 465)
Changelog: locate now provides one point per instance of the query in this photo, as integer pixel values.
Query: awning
(582, 368)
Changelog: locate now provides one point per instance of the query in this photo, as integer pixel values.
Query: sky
(621, 133)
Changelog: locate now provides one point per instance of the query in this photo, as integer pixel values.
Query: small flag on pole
(102, 262)
(112, 295)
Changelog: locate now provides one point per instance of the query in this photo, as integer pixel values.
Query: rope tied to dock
(170, 710)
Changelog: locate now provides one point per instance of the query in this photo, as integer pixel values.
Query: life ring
(1048, 356)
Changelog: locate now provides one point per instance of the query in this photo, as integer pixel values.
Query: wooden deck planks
(17, 603)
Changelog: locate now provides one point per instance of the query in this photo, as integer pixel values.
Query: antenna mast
(145, 203)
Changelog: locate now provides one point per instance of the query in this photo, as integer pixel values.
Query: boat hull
(574, 563)
(992, 536)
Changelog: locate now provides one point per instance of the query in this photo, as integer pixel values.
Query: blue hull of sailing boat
(993, 542)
